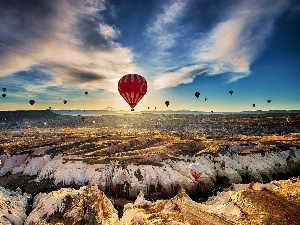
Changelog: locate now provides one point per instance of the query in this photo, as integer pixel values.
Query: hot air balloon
(196, 169)
(86, 93)
(31, 102)
(148, 107)
(155, 107)
(132, 87)
(167, 103)
(212, 111)
(65, 101)
(49, 107)
(205, 99)
(3, 95)
(67, 130)
(253, 105)
(4, 89)
(269, 101)
(230, 92)
(197, 94)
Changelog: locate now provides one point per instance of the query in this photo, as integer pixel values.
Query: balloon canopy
(31, 102)
(167, 103)
(269, 101)
(86, 93)
(205, 99)
(230, 92)
(132, 87)
(197, 94)
(196, 169)
(65, 101)
(4, 89)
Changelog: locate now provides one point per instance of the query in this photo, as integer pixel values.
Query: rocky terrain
(272, 203)
(128, 170)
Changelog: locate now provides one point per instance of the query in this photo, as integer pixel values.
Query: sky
(57, 50)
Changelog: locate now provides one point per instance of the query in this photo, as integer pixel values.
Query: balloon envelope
(196, 169)
(231, 92)
(3, 95)
(31, 102)
(65, 101)
(167, 103)
(86, 93)
(4, 89)
(197, 94)
(269, 101)
(132, 87)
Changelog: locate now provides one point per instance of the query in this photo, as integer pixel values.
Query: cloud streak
(233, 44)
(70, 39)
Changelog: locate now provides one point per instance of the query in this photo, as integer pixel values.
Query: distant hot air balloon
(155, 107)
(167, 103)
(4, 89)
(230, 92)
(65, 101)
(86, 93)
(148, 107)
(269, 101)
(197, 94)
(67, 130)
(49, 107)
(3, 95)
(31, 102)
(212, 111)
(132, 87)
(196, 169)
(253, 105)
(205, 99)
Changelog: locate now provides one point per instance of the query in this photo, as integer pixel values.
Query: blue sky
(56, 50)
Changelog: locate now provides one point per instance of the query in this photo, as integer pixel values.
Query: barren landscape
(133, 169)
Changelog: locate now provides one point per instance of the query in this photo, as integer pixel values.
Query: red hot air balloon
(196, 170)
(132, 87)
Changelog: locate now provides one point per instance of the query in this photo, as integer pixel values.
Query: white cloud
(163, 31)
(235, 43)
(232, 45)
(108, 31)
(181, 76)
(69, 63)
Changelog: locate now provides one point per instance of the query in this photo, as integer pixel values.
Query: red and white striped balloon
(196, 169)
(132, 87)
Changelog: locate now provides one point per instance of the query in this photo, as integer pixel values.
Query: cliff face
(277, 202)
(161, 179)
(13, 206)
(87, 205)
